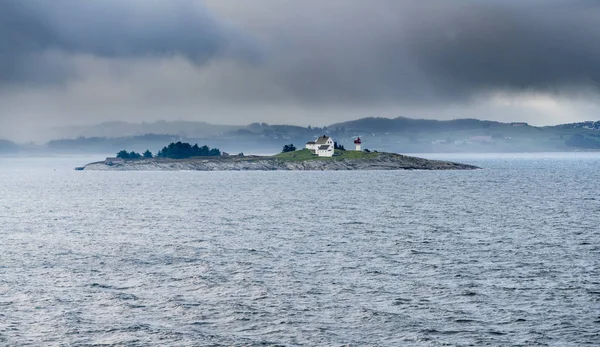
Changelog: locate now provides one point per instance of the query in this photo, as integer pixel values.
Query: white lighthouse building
(323, 146)
(357, 142)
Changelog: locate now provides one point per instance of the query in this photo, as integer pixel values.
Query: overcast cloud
(299, 62)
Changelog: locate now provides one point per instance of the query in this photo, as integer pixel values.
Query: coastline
(375, 161)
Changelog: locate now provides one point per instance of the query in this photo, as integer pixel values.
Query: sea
(504, 256)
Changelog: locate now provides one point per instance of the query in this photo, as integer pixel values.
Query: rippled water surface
(508, 255)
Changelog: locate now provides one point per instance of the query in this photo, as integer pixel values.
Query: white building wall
(322, 153)
(326, 152)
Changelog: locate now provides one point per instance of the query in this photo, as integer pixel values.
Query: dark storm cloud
(334, 53)
(391, 51)
(545, 46)
(36, 35)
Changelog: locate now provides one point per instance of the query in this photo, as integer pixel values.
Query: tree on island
(288, 148)
(340, 147)
(123, 154)
(147, 154)
(182, 150)
(128, 155)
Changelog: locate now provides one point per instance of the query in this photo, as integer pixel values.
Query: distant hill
(409, 125)
(8, 147)
(580, 125)
(254, 143)
(110, 144)
(423, 135)
(122, 129)
(400, 135)
(469, 135)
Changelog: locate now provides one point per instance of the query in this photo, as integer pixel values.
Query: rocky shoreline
(382, 161)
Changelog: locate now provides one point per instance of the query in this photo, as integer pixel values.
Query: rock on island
(297, 160)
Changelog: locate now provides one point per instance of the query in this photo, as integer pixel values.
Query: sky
(310, 62)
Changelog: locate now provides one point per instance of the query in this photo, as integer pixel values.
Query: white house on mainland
(322, 146)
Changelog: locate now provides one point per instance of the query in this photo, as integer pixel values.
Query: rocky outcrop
(383, 161)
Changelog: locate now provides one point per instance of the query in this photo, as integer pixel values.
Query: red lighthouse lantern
(357, 143)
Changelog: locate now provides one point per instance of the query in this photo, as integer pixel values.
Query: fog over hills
(408, 125)
(119, 129)
(8, 147)
(401, 135)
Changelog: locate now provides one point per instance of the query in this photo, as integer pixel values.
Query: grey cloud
(35, 33)
(338, 52)
(439, 51)
(547, 47)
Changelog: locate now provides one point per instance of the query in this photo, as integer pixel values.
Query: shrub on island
(338, 146)
(182, 150)
(288, 148)
(128, 155)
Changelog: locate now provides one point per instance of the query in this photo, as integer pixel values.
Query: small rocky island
(303, 159)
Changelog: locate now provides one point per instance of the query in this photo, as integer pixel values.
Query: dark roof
(322, 140)
(310, 143)
(324, 147)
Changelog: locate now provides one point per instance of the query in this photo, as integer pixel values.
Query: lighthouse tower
(357, 142)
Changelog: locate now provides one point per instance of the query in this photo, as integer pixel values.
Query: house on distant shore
(322, 146)
(479, 139)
